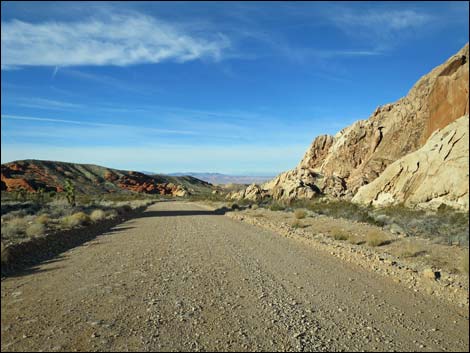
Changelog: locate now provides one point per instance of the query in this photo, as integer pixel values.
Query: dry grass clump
(340, 235)
(97, 215)
(42, 219)
(375, 238)
(75, 220)
(35, 230)
(15, 227)
(300, 214)
(254, 207)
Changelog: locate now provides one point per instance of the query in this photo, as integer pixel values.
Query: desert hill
(88, 178)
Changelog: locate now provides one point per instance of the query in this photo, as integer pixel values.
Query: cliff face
(435, 174)
(340, 165)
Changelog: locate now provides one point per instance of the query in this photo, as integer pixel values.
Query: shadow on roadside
(23, 258)
(217, 212)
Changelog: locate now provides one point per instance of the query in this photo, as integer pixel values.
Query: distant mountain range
(218, 178)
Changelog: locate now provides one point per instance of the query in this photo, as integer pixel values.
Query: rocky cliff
(340, 165)
(435, 174)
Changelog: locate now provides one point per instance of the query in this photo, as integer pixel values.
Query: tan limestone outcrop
(435, 174)
(340, 165)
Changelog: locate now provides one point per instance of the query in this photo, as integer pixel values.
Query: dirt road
(182, 278)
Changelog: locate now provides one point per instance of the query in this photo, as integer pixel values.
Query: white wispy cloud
(42, 103)
(114, 39)
(96, 124)
(382, 26)
(382, 20)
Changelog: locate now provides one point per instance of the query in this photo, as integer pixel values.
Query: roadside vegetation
(445, 225)
(26, 215)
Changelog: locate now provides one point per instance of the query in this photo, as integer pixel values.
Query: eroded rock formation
(435, 174)
(340, 165)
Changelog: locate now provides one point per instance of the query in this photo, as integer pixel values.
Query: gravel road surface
(180, 277)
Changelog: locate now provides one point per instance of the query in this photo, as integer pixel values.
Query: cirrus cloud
(114, 39)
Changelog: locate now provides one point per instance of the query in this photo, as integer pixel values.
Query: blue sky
(230, 87)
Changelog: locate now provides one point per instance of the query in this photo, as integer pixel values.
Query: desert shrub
(254, 206)
(42, 219)
(300, 214)
(235, 207)
(445, 225)
(75, 220)
(375, 238)
(97, 215)
(15, 228)
(340, 235)
(337, 209)
(275, 206)
(35, 230)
